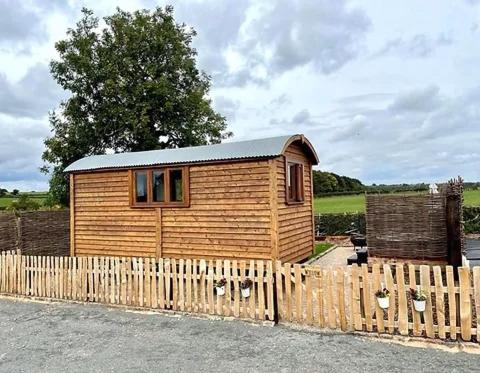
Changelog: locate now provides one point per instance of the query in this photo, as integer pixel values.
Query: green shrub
(471, 217)
(338, 224)
(23, 203)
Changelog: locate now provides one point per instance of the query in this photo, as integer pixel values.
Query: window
(176, 185)
(295, 192)
(163, 187)
(141, 187)
(158, 186)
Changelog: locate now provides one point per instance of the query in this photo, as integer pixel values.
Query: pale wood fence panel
(340, 298)
(344, 298)
(174, 284)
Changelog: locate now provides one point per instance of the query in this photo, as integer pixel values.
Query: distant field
(37, 196)
(356, 203)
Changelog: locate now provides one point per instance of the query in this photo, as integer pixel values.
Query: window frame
(167, 203)
(301, 180)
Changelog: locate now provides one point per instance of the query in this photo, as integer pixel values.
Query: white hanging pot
(384, 303)
(419, 305)
(220, 290)
(245, 292)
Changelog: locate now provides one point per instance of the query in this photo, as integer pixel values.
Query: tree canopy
(331, 183)
(134, 86)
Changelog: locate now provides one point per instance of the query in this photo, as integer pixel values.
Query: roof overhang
(224, 152)
(307, 146)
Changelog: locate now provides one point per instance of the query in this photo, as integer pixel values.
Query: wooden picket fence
(340, 298)
(344, 298)
(183, 285)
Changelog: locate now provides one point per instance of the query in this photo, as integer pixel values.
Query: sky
(387, 92)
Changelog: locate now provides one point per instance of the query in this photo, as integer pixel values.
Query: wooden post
(426, 287)
(340, 280)
(158, 233)
(439, 301)
(452, 302)
(465, 303)
(454, 201)
(72, 215)
(274, 209)
(402, 301)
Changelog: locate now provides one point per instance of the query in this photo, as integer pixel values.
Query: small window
(141, 194)
(295, 191)
(163, 187)
(158, 186)
(176, 186)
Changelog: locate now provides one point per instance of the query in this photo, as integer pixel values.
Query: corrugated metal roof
(260, 148)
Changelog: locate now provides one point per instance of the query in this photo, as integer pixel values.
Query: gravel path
(54, 337)
(335, 258)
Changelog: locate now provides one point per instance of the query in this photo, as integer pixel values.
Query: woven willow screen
(407, 226)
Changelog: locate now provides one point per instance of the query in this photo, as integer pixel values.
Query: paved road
(38, 337)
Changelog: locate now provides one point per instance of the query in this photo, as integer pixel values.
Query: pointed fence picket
(341, 298)
(175, 284)
(344, 298)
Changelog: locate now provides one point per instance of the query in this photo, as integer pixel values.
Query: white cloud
(401, 143)
(19, 24)
(385, 95)
(33, 96)
(418, 46)
(420, 100)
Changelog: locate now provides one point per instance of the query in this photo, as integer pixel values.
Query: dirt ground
(57, 337)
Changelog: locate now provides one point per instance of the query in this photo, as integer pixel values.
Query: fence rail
(184, 285)
(340, 298)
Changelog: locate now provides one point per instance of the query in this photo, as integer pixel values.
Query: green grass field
(37, 196)
(356, 203)
(320, 248)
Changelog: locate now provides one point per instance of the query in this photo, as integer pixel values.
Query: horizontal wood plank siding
(228, 217)
(295, 224)
(104, 222)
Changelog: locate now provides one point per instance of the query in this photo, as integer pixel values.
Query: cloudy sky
(386, 93)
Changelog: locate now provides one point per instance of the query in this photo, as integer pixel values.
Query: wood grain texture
(237, 210)
(295, 221)
(72, 214)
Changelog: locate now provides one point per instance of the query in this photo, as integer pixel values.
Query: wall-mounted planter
(245, 292)
(220, 290)
(383, 302)
(419, 305)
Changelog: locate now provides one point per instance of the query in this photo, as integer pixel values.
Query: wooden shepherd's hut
(242, 200)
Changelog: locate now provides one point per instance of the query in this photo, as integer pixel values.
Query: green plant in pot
(245, 287)
(419, 299)
(383, 298)
(220, 286)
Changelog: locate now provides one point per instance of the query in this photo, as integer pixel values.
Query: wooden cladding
(229, 210)
(228, 216)
(159, 187)
(295, 219)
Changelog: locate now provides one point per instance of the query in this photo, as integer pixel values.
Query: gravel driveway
(41, 337)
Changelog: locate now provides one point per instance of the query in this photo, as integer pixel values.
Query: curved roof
(260, 148)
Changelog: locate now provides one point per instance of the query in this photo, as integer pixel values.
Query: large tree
(134, 86)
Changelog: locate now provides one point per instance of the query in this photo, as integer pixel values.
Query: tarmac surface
(60, 337)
